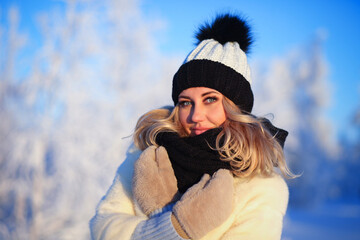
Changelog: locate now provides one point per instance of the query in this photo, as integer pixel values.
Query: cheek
(183, 116)
(218, 115)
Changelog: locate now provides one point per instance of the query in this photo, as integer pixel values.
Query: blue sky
(278, 27)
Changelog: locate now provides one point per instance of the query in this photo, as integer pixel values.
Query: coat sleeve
(115, 216)
(260, 210)
(118, 216)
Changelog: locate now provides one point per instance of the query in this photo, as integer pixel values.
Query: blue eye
(211, 99)
(184, 103)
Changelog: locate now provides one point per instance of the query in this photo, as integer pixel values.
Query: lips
(198, 130)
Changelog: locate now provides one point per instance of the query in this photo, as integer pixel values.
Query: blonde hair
(249, 148)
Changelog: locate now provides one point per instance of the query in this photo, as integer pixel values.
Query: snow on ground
(329, 221)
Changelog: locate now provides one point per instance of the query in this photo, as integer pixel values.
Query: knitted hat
(219, 62)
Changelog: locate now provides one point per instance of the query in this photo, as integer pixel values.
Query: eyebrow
(202, 95)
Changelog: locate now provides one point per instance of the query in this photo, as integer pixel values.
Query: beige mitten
(206, 205)
(154, 182)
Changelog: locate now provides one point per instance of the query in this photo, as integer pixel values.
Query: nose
(198, 114)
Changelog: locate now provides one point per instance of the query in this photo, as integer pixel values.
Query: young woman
(207, 169)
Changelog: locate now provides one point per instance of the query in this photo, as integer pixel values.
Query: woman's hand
(154, 182)
(206, 205)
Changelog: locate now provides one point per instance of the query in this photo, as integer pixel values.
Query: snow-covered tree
(66, 109)
(295, 91)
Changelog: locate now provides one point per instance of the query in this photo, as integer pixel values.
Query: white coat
(259, 207)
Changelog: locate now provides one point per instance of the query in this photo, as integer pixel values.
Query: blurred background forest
(72, 89)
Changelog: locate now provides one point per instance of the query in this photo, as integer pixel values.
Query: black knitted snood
(191, 157)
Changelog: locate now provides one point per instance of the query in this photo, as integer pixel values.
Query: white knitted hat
(229, 54)
(219, 62)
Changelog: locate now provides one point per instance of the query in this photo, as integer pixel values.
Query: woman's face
(201, 109)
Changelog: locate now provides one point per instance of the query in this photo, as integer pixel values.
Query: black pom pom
(227, 28)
